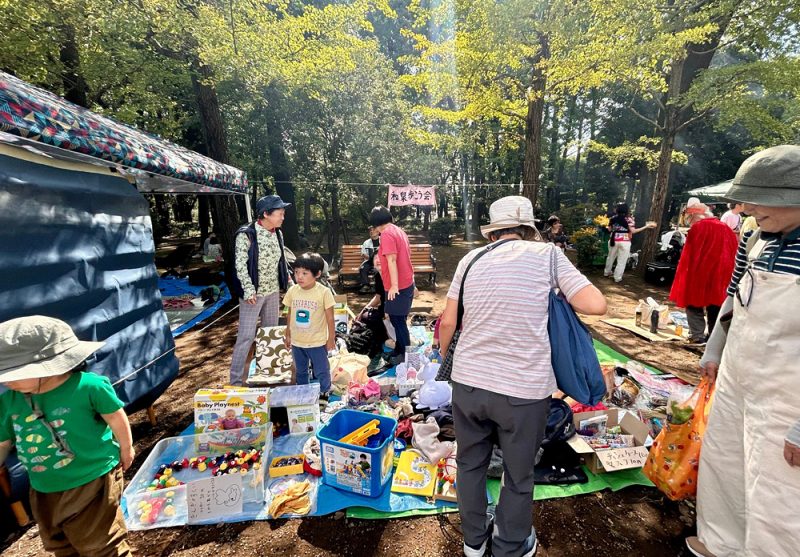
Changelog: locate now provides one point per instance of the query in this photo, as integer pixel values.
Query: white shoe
(617, 280)
(473, 552)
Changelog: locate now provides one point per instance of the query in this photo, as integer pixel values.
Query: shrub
(440, 231)
(587, 244)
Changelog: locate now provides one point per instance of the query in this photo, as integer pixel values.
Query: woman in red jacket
(704, 270)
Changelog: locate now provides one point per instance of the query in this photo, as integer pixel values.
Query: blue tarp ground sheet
(182, 320)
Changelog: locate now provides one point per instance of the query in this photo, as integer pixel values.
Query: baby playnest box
(201, 494)
(218, 410)
(364, 470)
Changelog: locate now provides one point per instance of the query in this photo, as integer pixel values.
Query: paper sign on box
(214, 497)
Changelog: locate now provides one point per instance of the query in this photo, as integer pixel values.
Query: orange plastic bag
(675, 455)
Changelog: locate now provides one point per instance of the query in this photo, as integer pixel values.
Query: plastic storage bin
(363, 470)
(167, 506)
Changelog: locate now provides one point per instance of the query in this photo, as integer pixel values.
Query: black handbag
(446, 369)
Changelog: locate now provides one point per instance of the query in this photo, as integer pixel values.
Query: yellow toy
(361, 435)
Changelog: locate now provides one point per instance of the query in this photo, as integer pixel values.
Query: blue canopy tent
(76, 233)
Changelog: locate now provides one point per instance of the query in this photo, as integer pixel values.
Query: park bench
(422, 260)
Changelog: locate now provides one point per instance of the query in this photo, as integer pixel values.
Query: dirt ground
(636, 521)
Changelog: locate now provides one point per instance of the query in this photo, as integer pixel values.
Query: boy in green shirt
(71, 434)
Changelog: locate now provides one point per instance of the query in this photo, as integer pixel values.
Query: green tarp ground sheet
(613, 481)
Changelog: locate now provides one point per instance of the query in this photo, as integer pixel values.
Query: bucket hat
(269, 203)
(36, 347)
(770, 177)
(510, 212)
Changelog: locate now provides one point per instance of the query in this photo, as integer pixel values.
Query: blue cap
(269, 203)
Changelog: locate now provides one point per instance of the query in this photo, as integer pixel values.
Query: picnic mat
(630, 325)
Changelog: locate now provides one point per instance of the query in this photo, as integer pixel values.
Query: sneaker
(483, 549)
(606, 275)
(698, 548)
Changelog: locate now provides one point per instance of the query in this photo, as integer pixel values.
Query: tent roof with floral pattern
(38, 120)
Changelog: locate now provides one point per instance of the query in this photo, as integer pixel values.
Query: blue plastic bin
(362, 470)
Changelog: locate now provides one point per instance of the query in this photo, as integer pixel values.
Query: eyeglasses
(745, 300)
(58, 441)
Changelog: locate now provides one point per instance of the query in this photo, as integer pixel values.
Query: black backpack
(560, 425)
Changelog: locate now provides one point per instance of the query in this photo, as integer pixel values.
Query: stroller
(661, 270)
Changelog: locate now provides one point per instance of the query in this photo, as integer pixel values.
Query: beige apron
(748, 497)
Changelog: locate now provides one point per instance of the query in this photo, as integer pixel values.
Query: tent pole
(247, 205)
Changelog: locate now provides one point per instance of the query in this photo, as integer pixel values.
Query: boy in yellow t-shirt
(310, 329)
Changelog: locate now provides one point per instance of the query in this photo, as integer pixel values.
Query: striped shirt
(504, 347)
(781, 255)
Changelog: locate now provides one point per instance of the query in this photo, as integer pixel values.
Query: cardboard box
(341, 314)
(612, 460)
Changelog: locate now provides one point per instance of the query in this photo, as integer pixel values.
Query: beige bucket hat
(509, 212)
(36, 347)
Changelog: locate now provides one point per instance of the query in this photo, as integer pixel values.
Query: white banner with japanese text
(411, 195)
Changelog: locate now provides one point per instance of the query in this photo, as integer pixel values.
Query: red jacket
(706, 265)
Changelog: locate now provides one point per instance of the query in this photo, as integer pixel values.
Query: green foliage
(440, 231)
(587, 243)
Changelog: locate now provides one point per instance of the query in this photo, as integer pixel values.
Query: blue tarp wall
(77, 244)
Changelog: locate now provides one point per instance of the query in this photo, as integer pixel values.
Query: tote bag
(574, 359)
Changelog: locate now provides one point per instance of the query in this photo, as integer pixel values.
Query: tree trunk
(75, 88)
(649, 245)
(182, 207)
(203, 219)
(307, 200)
(682, 74)
(335, 221)
(533, 135)
(578, 137)
(224, 210)
(532, 167)
(281, 170)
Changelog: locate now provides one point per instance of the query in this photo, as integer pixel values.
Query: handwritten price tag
(214, 497)
(622, 459)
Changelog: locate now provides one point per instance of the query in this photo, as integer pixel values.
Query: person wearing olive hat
(260, 273)
(749, 476)
(71, 434)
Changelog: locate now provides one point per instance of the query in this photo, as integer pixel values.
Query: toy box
(361, 469)
(611, 460)
(288, 465)
(151, 502)
(218, 410)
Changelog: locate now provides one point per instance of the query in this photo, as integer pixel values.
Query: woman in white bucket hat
(502, 375)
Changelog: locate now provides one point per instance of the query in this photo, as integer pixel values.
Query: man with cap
(71, 434)
(260, 273)
(502, 374)
(749, 478)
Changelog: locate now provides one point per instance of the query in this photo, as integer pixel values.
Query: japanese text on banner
(411, 195)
